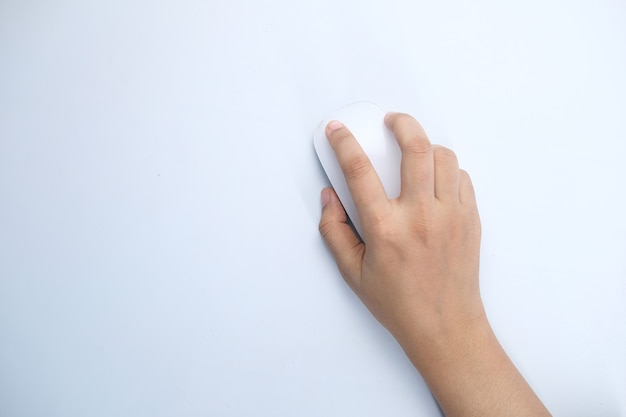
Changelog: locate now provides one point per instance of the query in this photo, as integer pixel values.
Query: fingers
(365, 187)
(447, 174)
(427, 170)
(466, 189)
(344, 245)
(417, 171)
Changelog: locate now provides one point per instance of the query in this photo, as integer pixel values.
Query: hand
(418, 272)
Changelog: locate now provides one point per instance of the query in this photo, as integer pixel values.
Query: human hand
(418, 273)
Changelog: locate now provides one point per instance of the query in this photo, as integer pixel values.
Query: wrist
(469, 373)
(449, 343)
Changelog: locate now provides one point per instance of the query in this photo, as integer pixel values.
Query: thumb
(345, 246)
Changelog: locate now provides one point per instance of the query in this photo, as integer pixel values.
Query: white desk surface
(159, 199)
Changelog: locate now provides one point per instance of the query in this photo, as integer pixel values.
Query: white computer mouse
(366, 122)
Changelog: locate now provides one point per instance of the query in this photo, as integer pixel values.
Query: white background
(159, 199)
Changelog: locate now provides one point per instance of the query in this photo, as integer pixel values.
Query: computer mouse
(366, 122)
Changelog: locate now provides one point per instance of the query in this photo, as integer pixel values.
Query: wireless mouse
(366, 122)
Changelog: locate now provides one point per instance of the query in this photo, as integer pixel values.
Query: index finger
(365, 187)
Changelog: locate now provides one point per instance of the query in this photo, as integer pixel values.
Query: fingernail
(325, 197)
(334, 125)
(389, 115)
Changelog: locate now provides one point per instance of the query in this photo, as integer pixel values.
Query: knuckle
(465, 178)
(466, 184)
(443, 154)
(424, 223)
(417, 146)
(383, 223)
(474, 226)
(325, 229)
(379, 224)
(426, 230)
(339, 134)
(357, 168)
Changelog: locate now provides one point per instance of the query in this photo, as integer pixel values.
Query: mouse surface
(366, 122)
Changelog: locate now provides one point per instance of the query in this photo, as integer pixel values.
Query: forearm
(470, 374)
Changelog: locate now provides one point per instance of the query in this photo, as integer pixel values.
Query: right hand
(418, 273)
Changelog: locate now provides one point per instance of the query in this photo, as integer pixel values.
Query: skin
(418, 272)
